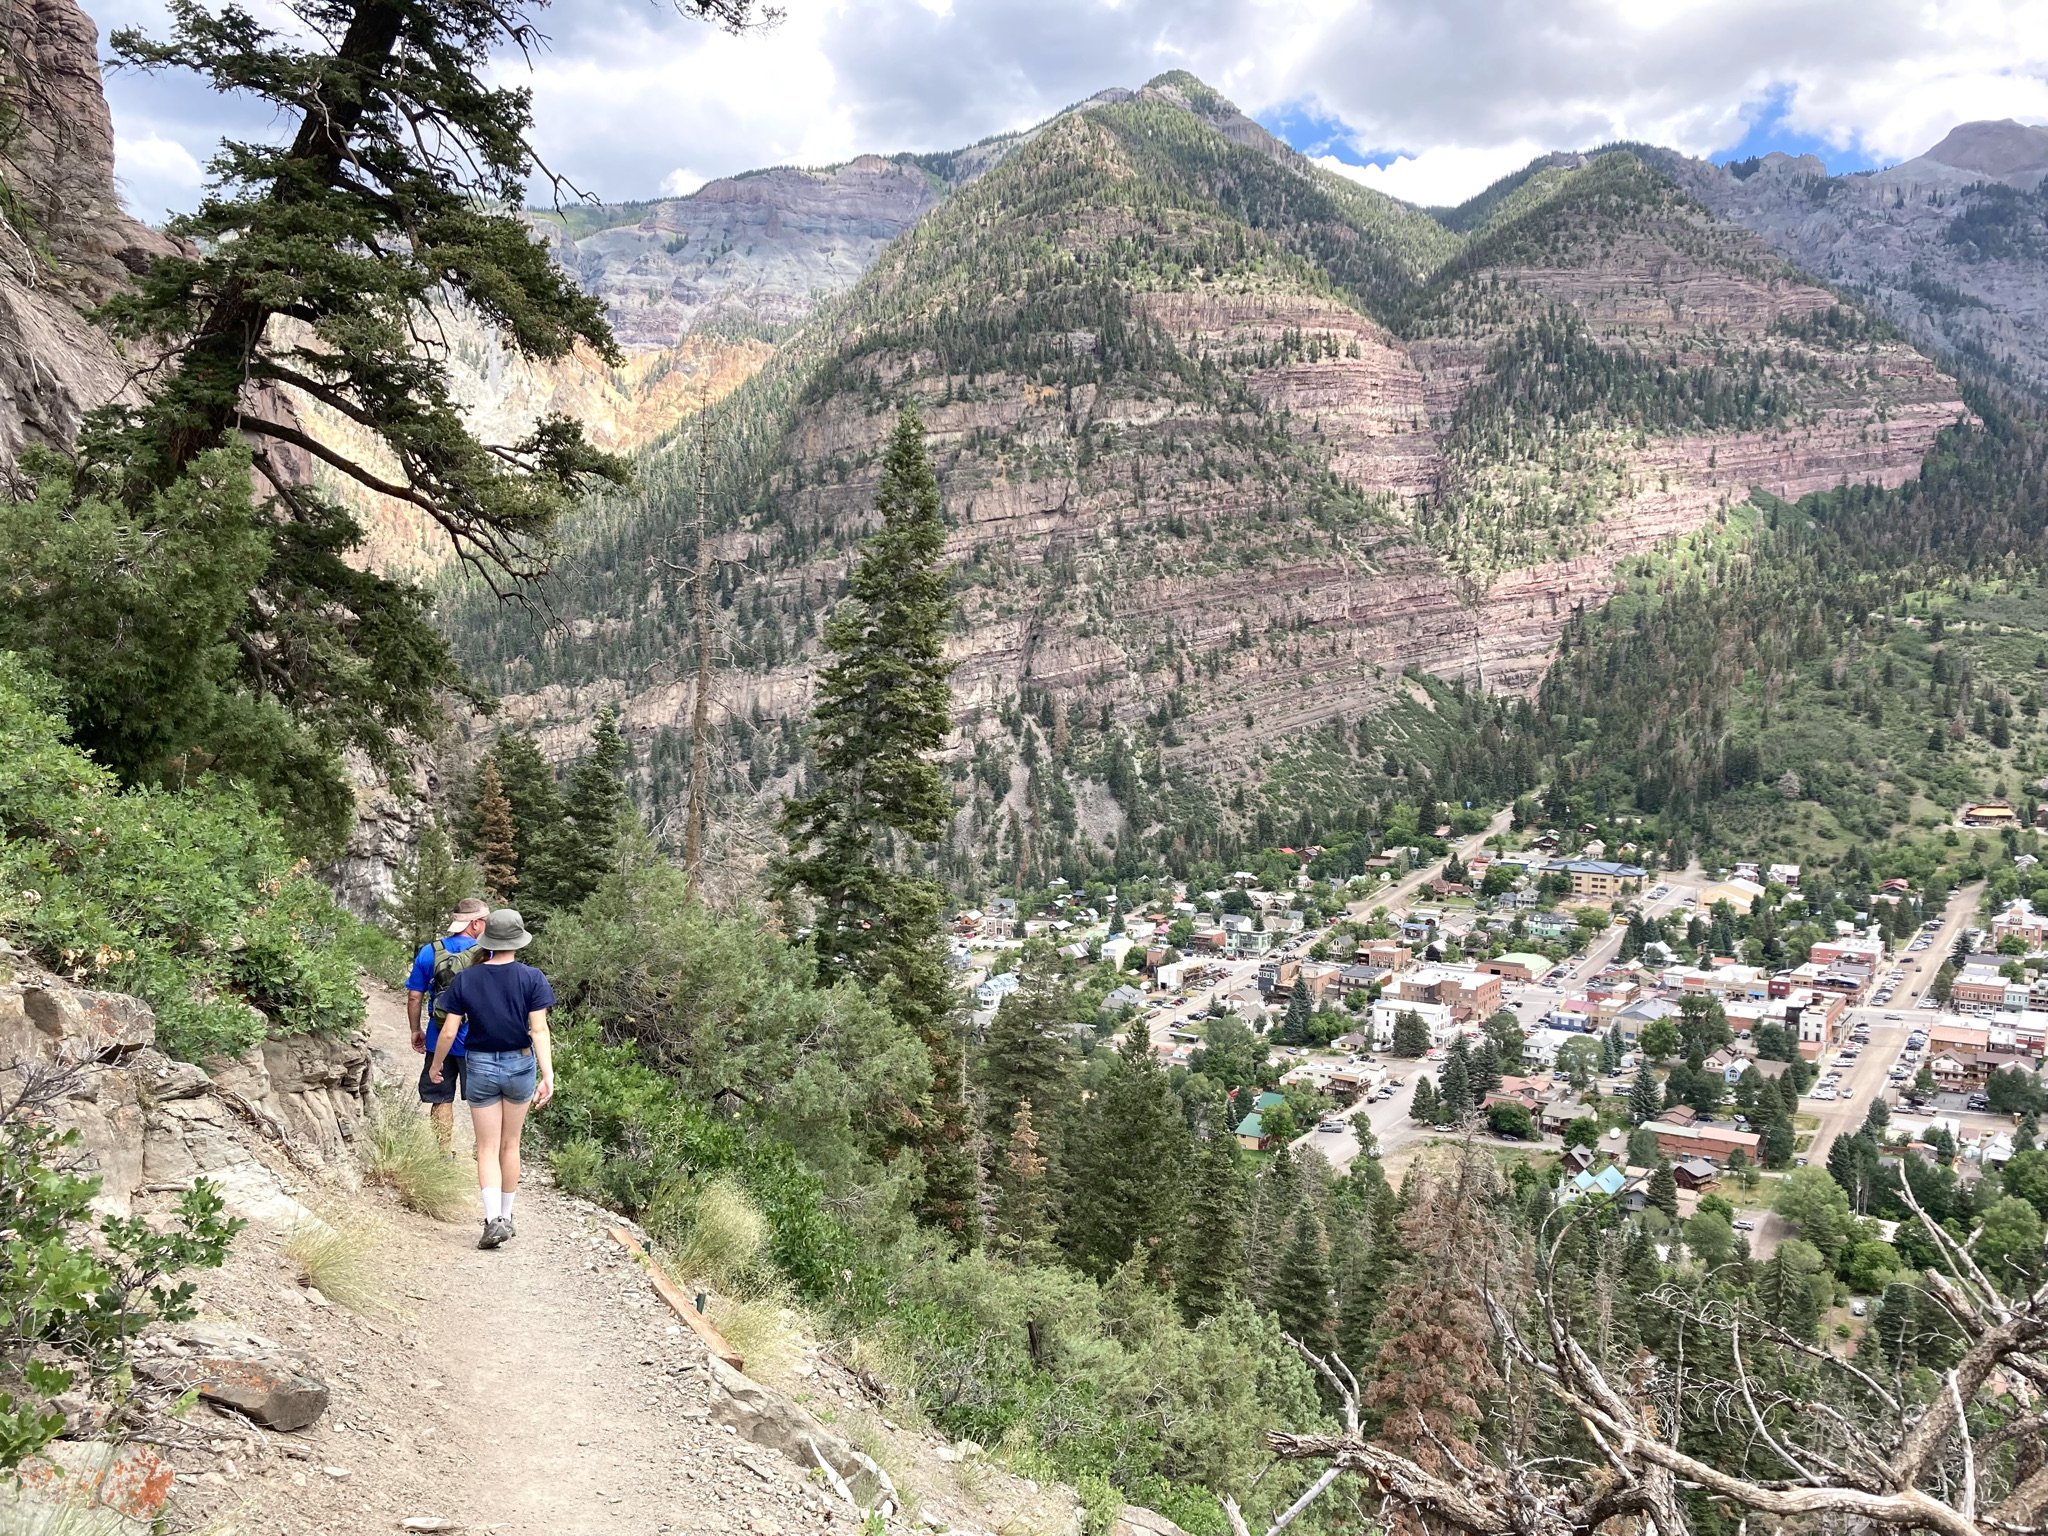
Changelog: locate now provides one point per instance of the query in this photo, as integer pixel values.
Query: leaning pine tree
(884, 704)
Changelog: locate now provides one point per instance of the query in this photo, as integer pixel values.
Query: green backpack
(447, 964)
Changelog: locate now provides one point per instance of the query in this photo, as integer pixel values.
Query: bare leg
(508, 1144)
(486, 1120)
(443, 1118)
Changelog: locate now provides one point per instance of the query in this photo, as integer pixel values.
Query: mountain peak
(2002, 148)
(1204, 101)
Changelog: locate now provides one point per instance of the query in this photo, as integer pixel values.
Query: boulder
(275, 1387)
(89, 1487)
(1136, 1520)
(772, 1421)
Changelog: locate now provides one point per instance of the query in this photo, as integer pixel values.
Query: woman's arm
(451, 1026)
(543, 1053)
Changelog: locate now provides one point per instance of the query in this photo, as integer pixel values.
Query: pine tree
(1663, 1190)
(1028, 1053)
(1211, 1266)
(1895, 1325)
(883, 709)
(1302, 1297)
(1644, 1101)
(578, 849)
(1411, 1035)
(1485, 1069)
(394, 184)
(1454, 1101)
(1424, 1107)
(529, 786)
(1294, 1030)
(1127, 1181)
(1021, 1226)
(496, 848)
(429, 885)
(1277, 1194)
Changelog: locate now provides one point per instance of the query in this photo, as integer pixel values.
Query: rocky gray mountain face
(65, 243)
(760, 249)
(1952, 245)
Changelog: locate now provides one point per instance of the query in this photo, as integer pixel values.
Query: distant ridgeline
(1272, 500)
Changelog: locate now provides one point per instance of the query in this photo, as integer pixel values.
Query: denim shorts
(489, 1076)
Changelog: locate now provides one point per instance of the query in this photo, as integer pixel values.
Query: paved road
(1396, 897)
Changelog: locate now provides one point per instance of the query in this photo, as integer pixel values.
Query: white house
(1437, 1016)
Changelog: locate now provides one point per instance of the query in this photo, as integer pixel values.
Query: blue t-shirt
(494, 1001)
(422, 980)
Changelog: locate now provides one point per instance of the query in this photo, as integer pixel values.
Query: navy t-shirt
(494, 1001)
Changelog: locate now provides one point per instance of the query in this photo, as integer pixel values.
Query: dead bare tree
(1964, 1459)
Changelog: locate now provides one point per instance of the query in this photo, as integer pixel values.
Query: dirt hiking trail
(538, 1390)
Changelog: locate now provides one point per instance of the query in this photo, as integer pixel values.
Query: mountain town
(1175, 781)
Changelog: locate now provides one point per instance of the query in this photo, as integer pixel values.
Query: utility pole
(697, 810)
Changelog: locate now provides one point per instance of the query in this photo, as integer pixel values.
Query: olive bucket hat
(505, 929)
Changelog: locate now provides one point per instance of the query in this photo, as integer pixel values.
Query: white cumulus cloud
(1438, 177)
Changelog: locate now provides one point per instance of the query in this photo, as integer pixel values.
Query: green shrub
(188, 898)
(71, 1299)
(653, 1134)
(713, 1232)
(579, 1168)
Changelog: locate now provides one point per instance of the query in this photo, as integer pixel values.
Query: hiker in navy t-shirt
(510, 1068)
(432, 969)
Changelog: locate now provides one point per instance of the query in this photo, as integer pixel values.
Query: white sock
(505, 1203)
(492, 1207)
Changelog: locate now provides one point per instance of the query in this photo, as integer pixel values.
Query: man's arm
(414, 1001)
(544, 1054)
(451, 1026)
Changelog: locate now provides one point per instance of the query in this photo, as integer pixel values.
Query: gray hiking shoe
(496, 1230)
(510, 1230)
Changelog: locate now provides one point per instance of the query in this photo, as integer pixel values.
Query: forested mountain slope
(1227, 443)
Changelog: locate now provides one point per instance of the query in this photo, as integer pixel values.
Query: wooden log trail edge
(678, 1303)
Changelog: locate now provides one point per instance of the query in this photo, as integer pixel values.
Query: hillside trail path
(541, 1389)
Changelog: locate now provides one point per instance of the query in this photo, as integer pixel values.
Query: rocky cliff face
(148, 1125)
(1952, 245)
(65, 244)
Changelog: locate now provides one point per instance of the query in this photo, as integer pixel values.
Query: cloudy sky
(1427, 99)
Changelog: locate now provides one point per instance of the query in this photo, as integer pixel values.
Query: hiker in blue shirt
(432, 969)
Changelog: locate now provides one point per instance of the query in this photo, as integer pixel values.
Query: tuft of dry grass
(401, 1153)
(713, 1233)
(336, 1255)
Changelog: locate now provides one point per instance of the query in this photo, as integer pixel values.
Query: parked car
(1331, 1127)
(1742, 1224)
(1858, 1307)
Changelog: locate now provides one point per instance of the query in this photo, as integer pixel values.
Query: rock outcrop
(148, 1125)
(65, 243)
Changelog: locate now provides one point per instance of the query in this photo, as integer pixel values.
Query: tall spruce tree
(1423, 1107)
(1294, 1028)
(429, 885)
(575, 852)
(1211, 1266)
(1022, 1229)
(527, 786)
(1302, 1297)
(1127, 1180)
(1454, 1100)
(883, 709)
(1027, 1053)
(1645, 1103)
